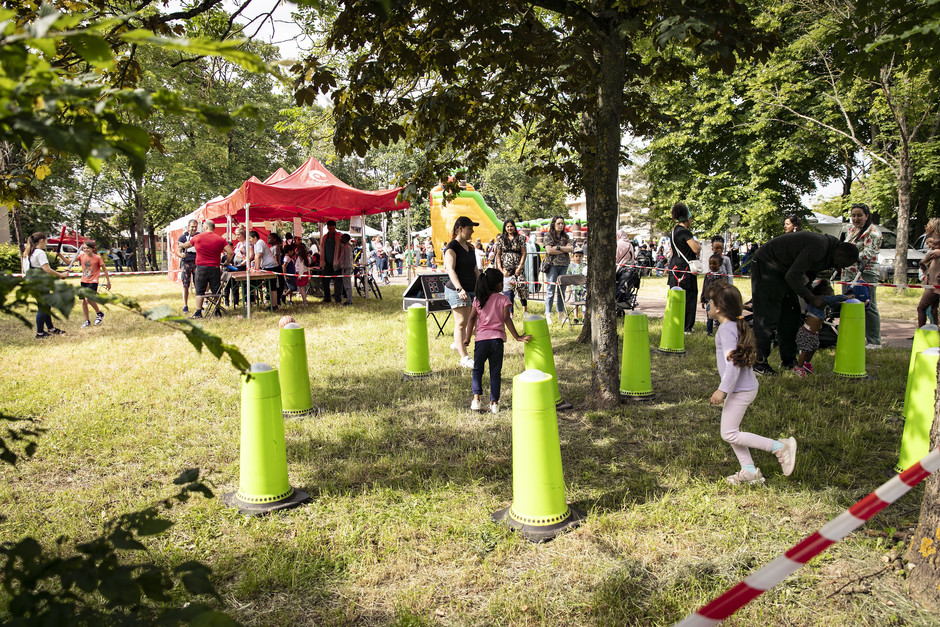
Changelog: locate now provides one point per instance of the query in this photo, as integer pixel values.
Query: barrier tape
(783, 566)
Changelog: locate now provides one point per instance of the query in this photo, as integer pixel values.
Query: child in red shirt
(92, 265)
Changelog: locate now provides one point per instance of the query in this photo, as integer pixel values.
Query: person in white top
(262, 259)
(35, 258)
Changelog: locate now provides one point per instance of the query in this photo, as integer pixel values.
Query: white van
(885, 264)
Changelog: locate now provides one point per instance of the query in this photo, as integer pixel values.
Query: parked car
(885, 265)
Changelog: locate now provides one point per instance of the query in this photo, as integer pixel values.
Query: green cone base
(296, 498)
(640, 396)
(300, 413)
(671, 351)
(851, 376)
(535, 532)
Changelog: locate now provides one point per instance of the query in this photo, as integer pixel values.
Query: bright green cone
(262, 484)
(417, 354)
(915, 441)
(635, 379)
(673, 337)
(538, 351)
(850, 347)
(296, 401)
(924, 338)
(539, 510)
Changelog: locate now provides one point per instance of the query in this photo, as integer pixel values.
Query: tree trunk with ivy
(924, 551)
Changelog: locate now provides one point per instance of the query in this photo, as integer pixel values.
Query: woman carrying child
(735, 353)
(34, 258)
(489, 318)
(931, 267)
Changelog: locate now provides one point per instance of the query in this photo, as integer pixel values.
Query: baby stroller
(628, 285)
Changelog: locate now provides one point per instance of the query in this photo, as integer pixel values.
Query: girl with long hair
(490, 318)
(510, 260)
(735, 353)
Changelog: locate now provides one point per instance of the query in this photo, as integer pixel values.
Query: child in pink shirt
(490, 318)
(92, 266)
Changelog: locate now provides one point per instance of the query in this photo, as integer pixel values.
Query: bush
(10, 258)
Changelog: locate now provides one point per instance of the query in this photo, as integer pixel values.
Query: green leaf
(94, 49)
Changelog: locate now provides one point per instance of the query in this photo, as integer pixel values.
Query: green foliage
(94, 582)
(10, 258)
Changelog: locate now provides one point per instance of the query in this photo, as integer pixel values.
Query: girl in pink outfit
(490, 318)
(736, 353)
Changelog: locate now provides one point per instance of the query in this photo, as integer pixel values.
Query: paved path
(894, 332)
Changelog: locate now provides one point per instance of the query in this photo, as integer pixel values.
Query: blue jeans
(710, 325)
(492, 351)
(550, 288)
(43, 320)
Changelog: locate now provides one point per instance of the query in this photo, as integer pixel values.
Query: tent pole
(410, 254)
(365, 256)
(248, 265)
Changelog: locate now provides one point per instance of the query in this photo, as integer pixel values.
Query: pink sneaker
(800, 372)
(808, 367)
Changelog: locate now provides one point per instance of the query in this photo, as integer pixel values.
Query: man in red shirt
(209, 249)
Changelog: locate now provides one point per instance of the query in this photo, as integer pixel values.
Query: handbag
(696, 266)
(544, 267)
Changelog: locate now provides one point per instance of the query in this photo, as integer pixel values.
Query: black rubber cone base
(638, 398)
(296, 499)
(539, 533)
(563, 405)
(666, 351)
(288, 414)
(415, 375)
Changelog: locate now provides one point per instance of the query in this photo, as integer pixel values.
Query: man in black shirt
(329, 256)
(780, 272)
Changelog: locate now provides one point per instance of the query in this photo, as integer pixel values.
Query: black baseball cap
(464, 221)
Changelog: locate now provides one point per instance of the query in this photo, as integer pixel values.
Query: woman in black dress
(684, 249)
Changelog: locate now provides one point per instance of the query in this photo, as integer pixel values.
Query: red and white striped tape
(842, 525)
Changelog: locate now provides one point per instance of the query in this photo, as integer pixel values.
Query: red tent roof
(276, 176)
(313, 194)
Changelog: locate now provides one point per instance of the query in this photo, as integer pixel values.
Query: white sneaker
(494, 408)
(787, 455)
(85, 324)
(548, 319)
(466, 362)
(745, 477)
(475, 405)
(453, 346)
(873, 347)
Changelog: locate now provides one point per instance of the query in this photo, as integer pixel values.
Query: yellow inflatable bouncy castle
(467, 203)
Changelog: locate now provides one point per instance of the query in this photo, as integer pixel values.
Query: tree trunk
(602, 167)
(924, 551)
(847, 181)
(905, 176)
(152, 244)
(140, 219)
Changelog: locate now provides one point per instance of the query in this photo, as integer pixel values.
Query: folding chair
(569, 282)
(212, 303)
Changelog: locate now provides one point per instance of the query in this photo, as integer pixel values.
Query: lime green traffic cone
(296, 401)
(915, 441)
(417, 353)
(538, 353)
(539, 510)
(635, 379)
(262, 484)
(925, 337)
(673, 338)
(850, 347)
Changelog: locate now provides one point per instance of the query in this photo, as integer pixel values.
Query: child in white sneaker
(489, 319)
(736, 353)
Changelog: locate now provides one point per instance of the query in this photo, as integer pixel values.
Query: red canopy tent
(70, 237)
(310, 193)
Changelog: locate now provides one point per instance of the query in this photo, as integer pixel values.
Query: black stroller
(628, 285)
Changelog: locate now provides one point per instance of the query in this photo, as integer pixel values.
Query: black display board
(426, 289)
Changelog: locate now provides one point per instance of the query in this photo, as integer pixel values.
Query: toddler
(712, 278)
(807, 337)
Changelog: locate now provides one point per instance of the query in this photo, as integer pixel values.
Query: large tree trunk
(905, 176)
(138, 233)
(601, 163)
(924, 551)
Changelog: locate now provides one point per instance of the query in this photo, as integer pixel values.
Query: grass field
(403, 477)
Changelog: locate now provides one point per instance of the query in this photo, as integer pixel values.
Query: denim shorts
(454, 301)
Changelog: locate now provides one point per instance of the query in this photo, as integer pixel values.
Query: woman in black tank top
(461, 267)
